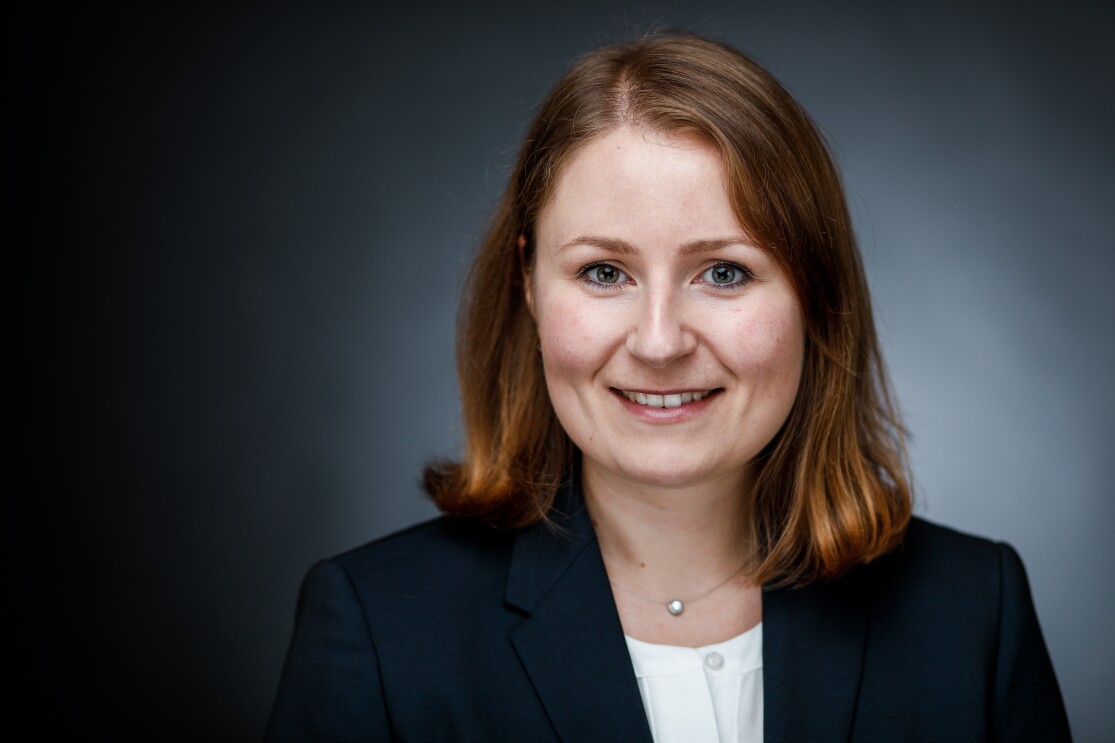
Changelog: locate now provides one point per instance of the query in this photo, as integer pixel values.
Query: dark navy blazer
(452, 631)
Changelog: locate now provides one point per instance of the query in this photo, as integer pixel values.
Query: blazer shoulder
(366, 615)
(440, 534)
(960, 606)
(925, 540)
(922, 532)
(936, 564)
(441, 554)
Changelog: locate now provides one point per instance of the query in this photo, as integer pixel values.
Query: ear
(528, 285)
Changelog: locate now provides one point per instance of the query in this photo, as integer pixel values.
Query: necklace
(675, 606)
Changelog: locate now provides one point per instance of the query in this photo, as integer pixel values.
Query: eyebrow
(623, 247)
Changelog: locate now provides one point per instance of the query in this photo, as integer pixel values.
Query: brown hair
(832, 489)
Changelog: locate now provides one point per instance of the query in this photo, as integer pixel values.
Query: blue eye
(603, 276)
(726, 276)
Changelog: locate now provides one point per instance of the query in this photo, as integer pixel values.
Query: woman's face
(672, 345)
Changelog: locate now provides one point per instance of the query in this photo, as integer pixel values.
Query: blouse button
(715, 661)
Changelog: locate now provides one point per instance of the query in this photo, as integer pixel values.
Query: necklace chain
(675, 606)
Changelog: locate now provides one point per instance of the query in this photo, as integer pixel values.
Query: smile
(665, 401)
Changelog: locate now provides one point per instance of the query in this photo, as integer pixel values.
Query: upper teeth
(665, 401)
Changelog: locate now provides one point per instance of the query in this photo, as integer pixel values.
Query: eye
(726, 276)
(603, 276)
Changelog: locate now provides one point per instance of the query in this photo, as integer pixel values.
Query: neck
(667, 541)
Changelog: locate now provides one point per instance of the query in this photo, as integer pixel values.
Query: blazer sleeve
(1028, 704)
(330, 688)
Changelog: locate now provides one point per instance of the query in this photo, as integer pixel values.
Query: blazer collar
(572, 643)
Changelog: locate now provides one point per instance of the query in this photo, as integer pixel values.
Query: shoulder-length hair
(832, 489)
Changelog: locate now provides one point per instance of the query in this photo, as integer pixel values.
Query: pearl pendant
(675, 607)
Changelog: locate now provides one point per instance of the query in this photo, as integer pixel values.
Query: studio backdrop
(241, 239)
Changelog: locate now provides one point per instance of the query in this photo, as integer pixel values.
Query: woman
(683, 511)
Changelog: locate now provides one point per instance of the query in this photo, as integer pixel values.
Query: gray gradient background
(245, 234)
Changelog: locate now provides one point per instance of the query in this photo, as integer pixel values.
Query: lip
(672, 391)
(666, 415)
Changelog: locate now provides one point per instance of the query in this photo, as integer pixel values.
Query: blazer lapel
(571, 643)
(813, 646)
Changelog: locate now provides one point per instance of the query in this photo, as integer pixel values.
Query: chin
(676, 471)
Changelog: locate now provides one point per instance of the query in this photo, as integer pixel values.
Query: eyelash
(582, 275)
(745, 277)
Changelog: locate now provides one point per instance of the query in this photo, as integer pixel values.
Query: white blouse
(711, 693)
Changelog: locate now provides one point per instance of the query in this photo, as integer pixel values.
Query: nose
(660, 335)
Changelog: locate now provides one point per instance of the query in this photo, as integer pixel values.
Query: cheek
(574, 341)
(771, 343)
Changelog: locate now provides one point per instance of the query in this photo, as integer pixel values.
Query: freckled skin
(663, 325)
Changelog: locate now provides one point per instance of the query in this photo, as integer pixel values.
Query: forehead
(647, 185)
